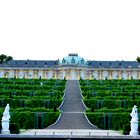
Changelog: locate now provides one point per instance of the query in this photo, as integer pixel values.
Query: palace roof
(54, 63)
(114, 64)
(71, 60)
(30, 63)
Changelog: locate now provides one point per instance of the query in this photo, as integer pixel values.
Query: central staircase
(72, 110)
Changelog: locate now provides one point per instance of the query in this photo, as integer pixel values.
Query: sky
(51, 29)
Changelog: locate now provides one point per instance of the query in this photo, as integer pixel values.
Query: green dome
(73, 59)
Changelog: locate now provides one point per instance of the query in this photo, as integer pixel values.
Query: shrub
(25, 119)
(126, 129)
(14, 128)
(106, 120)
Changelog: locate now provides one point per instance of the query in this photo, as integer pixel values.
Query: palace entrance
(73, 75)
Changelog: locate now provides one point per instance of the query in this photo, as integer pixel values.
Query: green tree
(9, 58)
(138, 59)
(4, 58)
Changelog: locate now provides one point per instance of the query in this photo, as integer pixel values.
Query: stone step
(72, 121)
(72, 110)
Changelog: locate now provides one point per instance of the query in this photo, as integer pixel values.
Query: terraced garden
(33, 102)
(110, 102)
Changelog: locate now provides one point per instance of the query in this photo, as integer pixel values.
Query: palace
(71, 67)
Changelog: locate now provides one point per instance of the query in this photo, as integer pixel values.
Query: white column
(1, 73)
(82, 74)
(95, 74)
(115, 74)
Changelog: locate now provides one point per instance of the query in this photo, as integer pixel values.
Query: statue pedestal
(5, 127)
(5, 132)
(134, 133)
(134, 128)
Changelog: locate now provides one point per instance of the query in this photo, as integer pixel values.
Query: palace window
(72, 60)
(63, 61)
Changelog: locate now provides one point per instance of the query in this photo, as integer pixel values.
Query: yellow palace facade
(71, 67)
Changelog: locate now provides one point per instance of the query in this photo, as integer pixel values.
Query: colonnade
(71, 73)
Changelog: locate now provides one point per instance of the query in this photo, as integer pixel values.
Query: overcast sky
(50, 29)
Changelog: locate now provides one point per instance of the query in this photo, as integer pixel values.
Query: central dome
(73, 59)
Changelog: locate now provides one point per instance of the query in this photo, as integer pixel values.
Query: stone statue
(41, 83)
(5, 120)
(134, 121)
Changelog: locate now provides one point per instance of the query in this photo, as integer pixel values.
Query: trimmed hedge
(33, 102)
(29, 120)
(126, 129)
(110, 102)
(113, 121)
(14, 128)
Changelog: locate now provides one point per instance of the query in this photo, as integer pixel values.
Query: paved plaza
(71, 132)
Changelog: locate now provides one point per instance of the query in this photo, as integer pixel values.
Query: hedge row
(32, 104)
(31, 87)
(114, 121)
(109, 93)
(31, 120)
(31, 93)
(110, 87)
(111, 82)
(111, 103)
(32, 81)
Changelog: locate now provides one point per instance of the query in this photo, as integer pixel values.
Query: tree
(138, 59)
(4, 58)
(9, 58)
